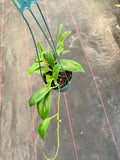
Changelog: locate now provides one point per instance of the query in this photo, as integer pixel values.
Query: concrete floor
(93, 101)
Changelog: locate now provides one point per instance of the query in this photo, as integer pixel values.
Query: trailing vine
(58, 137)
(57, 74)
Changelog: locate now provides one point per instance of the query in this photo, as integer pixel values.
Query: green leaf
(40, 47)
(70, 65)
(41, 55)
(43, 127)
(49, 58)
(43, 107)
(59, 51)
(59, 48)
(43, 69)
(55, 56)
(60, 45)
(58, 32)
(35, 66)
(64, 36)
(65, 51)
(39, 95)
(49, 78)
(56, 70)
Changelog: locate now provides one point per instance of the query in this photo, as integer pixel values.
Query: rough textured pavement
(93, 101)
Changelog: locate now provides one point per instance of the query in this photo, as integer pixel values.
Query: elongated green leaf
(59, 48)
(54, 57)
(41, 57)
(43, 69)
(59, 51)
(39, 95)
(49, 58)
(60, 45)
(49, 78)
(43, 107)
(40, 47)
(56, 70)
(64, 36)
(65, 51)
(35, 66)
(70, 65)
(43, 127)
(58, 32)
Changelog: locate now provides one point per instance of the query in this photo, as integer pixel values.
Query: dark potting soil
(62, 80)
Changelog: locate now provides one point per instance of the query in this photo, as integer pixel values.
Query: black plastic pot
(62, 80)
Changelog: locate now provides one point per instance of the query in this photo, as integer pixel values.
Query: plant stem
(54, 116)
(58, 136)
(55, 86)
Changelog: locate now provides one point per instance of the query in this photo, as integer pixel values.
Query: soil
(62, 80)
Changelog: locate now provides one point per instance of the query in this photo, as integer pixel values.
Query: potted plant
(57, 74)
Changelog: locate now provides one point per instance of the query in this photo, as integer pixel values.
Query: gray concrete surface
(98, 24)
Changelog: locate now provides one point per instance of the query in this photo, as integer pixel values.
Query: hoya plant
(57, 74)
